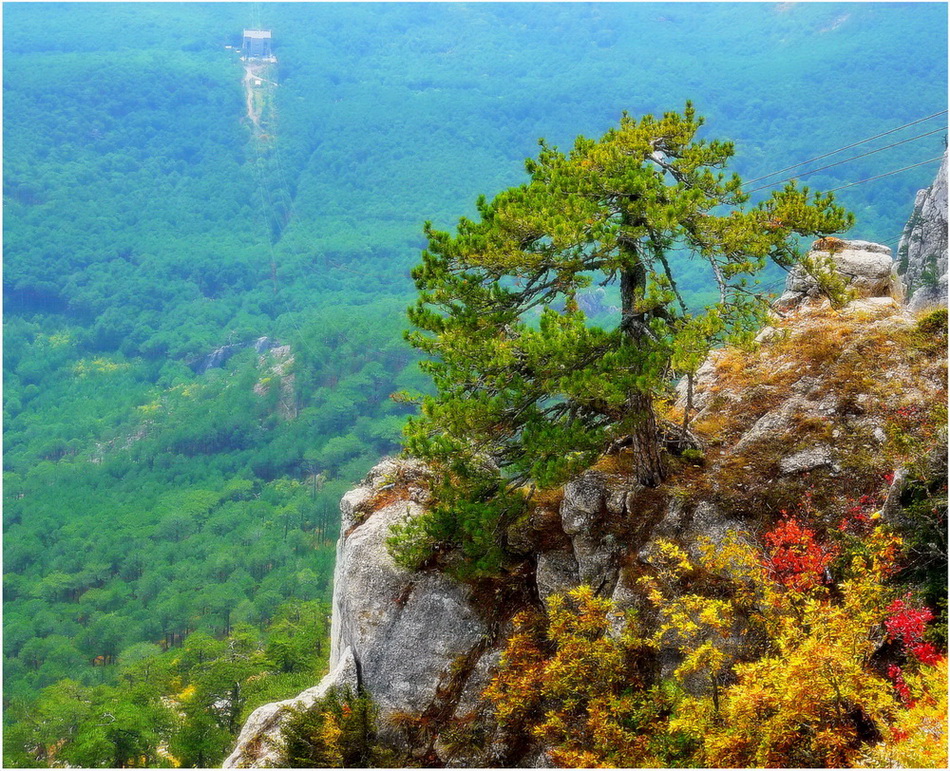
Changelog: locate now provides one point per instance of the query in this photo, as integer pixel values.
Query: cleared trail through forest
(254, 76)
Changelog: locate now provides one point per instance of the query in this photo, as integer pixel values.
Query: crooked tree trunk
(645, 436)
(647, 460)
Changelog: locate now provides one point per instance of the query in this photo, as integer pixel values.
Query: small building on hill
(256, 44)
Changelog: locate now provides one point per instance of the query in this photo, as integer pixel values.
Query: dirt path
(253, 112)
(255, 102)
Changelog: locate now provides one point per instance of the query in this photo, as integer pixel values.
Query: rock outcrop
(923, 246)
(401, 626)
(277, 365)
(413, 640)
(865, 267)
(812, 413)
(219, 356)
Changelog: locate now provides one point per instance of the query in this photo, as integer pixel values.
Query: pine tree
(528, 390)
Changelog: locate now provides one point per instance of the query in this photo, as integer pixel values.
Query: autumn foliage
(795, 558)
(792, 652)
(569, 679)
(906, 623)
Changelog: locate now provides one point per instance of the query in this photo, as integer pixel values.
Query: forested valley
(203, 322)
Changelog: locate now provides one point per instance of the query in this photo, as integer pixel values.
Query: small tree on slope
(527, 389)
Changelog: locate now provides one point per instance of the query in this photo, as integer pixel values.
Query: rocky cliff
(923, 245)
(818, 410)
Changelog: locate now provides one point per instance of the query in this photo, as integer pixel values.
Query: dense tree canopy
(145, 497)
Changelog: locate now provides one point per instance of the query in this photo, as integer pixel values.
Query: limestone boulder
(405, 628)
(399, 635)
(866, 268)
(258, 744)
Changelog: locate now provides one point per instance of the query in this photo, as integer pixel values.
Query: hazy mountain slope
(137, 242)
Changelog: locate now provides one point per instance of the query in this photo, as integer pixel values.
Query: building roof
(259, 34)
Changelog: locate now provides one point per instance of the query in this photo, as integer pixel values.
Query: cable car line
(846, 160)
(879, 176)
(846, 147)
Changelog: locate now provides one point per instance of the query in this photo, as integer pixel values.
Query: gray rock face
(927, 297)
(258, 745)
(689, 525)
(403, 649)
(405, 629)
(471, 706)
(806, 460)
(399, 632)
(556, 573)
(590, 501)
(866, 267)
(923, 246)
(773, 422)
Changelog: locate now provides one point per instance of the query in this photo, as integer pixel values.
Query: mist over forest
(204, 316)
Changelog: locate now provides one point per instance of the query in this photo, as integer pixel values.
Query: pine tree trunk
(645, 436)
(647, 460)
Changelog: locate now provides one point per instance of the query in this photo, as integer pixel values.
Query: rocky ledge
(817, 410)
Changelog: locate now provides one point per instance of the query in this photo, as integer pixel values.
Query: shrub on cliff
(527, 390)
(338, 731)
(781, 663)
(567, 681)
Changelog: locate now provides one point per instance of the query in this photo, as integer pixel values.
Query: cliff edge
(923, 246)
(824, 408)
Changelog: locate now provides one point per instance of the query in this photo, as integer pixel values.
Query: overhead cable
(846, 147)
(846, 160)
(896, 171)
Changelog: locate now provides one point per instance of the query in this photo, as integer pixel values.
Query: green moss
(931, 333)
(695, 457)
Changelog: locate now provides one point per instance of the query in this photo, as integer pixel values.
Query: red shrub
(795, 558)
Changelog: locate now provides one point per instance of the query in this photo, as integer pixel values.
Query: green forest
(204, 322)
